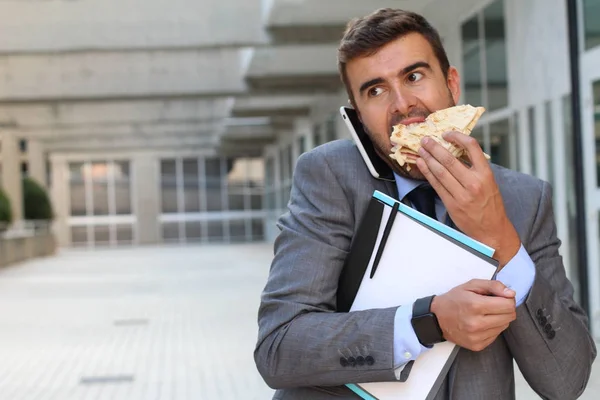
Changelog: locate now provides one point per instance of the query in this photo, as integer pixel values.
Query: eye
(415, 77)
(375, 91)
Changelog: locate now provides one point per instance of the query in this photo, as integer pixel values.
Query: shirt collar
(405, 185)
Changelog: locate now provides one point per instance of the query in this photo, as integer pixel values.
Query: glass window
(270, 173)
(100, 174)
(256, 201)
(168, 175)
(237, 230)
(193, 231)
(477, 133)
(122, 188)
(330, 130)
(532, 146)
(24, 169)
(102, 234)
(215, 231)
(124, 234)
(77, 189)
(472, 62)
(500, 143)
(302, 144)
(79, 235)
(591, 23)
(291, 162)
(549, 141)
(495, 55)
(214, 184)
(255, 172)
(316, 136)
(258, 229)
(191, 185)
(283, 165)
(170, 231)
(236, 183)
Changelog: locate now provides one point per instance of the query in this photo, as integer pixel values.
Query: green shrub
(5, 211)
(36, 203)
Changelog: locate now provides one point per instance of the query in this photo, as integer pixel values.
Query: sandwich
(407, 138)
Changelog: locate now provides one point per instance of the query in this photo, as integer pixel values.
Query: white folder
(420, 257)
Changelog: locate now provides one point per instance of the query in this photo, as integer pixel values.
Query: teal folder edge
(438, 226)
(356, 389)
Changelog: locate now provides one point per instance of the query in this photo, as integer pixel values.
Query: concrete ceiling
(111, 74)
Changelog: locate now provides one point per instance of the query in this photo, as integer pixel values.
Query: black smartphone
(374, 163)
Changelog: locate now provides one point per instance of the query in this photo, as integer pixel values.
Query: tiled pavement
(164, 323)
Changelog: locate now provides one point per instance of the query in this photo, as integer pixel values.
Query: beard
(383, 145)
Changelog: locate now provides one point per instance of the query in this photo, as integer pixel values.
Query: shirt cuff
(406, 345)
(518, 275)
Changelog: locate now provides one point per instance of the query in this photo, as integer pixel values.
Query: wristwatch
(425, 323)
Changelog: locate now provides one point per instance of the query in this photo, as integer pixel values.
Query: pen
(386, 233)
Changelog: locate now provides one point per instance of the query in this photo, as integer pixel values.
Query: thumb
(493, 288)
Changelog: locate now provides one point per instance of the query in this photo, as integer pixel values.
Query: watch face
(426, 329)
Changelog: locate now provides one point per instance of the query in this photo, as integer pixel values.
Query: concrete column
(11, 173)
(145, 185)
(37, 161)
(60, 195)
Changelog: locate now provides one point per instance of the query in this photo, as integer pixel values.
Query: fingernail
(509, 292)
(422, 151)
(424, 141)
(445, 135)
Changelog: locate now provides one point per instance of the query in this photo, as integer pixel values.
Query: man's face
(401, 83)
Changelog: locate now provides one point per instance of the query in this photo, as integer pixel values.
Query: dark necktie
(423, 199)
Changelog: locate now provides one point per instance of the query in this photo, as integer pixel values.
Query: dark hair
(365, 36)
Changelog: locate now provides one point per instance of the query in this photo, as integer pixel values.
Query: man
(396, 71)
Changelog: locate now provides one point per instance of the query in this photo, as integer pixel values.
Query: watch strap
(422, 306)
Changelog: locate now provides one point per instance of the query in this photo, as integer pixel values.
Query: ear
(454, 84)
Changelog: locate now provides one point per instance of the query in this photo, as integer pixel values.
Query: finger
(440, 172)
(445, 196)
(470, 144)
(491, 305)
(497, 322)
(490, 287)
(447, 160)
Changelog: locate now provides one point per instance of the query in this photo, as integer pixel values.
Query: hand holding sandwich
(470, 193)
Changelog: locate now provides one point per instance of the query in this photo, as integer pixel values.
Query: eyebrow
(404, 71)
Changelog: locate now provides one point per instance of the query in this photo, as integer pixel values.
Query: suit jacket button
(543, 321)
(352, 361)
(370, 360)
(343, 362)
(360, 360)
(540, 313)
(551, 334)
(548, 328)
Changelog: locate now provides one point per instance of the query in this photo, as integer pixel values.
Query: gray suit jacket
(303, 341)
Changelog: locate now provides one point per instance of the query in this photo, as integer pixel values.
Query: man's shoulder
(338, 154)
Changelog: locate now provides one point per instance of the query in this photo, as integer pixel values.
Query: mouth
(412, 120)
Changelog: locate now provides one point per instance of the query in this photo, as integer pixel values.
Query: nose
(401, 101)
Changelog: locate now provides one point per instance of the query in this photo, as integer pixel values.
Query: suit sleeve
(550, 340)
(302, 340)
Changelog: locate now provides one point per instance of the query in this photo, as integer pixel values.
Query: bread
(407, 138)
